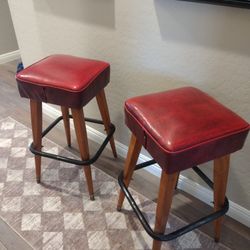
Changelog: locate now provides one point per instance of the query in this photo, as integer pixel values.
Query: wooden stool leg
(166, 190)
(103, 107)
(133, 153)
(81, 135)
(221, 169)
(36, 123)
(65, 114)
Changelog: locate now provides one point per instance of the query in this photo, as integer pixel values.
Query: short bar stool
(181, 128)
(70, 82)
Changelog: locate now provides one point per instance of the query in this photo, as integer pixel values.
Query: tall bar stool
(70, 82)
(181, 128)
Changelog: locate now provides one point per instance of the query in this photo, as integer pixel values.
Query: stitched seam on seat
(190, 147)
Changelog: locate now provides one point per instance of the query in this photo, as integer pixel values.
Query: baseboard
(10, 56)
(236, 211)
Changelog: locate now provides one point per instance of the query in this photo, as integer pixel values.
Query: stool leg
(65, 114)
(36, 123)
(81, 135)
(103, 107)
(165, 195)
(133, 153)
(221, 169)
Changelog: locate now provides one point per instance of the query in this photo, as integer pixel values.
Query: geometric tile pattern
(57, 214)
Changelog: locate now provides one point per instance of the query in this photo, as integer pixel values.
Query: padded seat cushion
(64, 80)
(184, 127)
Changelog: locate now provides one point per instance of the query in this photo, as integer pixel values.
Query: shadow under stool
(70, 82)
(181, 128)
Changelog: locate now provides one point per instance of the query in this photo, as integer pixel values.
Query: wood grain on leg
(221, 169)
(36, 123)
(165, 195)
(103, 107)
(82, 139)
(66, 122)
(132, 156)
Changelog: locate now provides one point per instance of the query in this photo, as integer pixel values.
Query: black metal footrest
(71, 160)
(178, 232)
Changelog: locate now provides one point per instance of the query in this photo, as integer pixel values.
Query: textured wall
(7, 36)
(152, 45)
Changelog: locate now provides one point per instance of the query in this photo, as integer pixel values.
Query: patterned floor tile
(73, 221)
(52, 204)
(52, 241)
(31, 222)
(14, 175)
(98, 240)
(11, 204)
(116, 220)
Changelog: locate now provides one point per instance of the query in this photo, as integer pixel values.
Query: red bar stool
(70, 82)
(181, 128)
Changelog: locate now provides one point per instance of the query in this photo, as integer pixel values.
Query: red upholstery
(184, 127)
(64, 80)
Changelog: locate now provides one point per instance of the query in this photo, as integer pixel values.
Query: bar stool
(70, 82)
(181, 128)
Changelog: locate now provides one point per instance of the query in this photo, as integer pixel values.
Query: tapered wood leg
(221, 169)
(82, 139)
(36, 123)
(103, 107)
(65, 114)
(165, 195)
(132, 156)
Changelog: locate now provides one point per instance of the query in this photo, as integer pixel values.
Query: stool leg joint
(71, 160)
(178, 232)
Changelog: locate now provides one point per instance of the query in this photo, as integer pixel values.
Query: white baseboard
(236, 211)
(10, 56)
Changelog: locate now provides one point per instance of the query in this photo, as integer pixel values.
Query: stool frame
(167, 185)
(81, 135)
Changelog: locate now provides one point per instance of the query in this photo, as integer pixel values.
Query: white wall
(8, 41)
(152, 45)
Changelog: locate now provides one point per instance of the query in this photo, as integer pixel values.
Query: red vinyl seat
(184, 127)
(63, 80)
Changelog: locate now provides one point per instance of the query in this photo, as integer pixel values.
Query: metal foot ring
(178, 232)
(71, 160)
